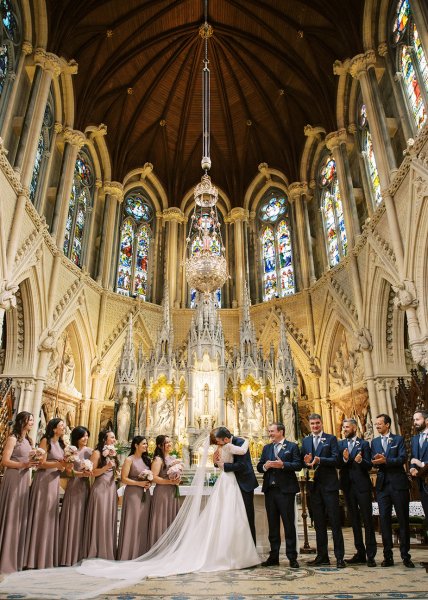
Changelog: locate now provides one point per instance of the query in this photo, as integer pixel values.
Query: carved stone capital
(314, 366)
(115, 189)
(335, 138)
(263, 168)
(48, 340)
(361, 62)
(297, 189)
(383, 49)
(238, 214)
(314, 132)
(364, 339)
(405, 296)
(74, 137)
(27, 47)
(48, 61)
(147, 169)
(173, 214)
(7, 295)
(96, 131)
(420, 353)
(58, 127)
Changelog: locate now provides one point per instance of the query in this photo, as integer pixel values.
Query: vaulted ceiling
(140, 64)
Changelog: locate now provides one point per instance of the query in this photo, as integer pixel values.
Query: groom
(244, 472)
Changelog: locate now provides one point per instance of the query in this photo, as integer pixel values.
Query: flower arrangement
(175, 471)
(36, 454)
(109, 452)
(70, 454)
(145, 475)
(86, 465)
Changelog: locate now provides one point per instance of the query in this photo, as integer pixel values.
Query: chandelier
(206, 266)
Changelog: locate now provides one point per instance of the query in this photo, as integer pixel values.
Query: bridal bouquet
(36, 455)
(175, 471)
(70, 454)
(145, 475)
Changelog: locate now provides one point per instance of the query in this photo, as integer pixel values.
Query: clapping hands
(309, 462)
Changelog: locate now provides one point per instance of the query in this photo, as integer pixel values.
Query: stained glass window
(80, 204)
(412, 61)
(43, 148)
(10, 40)
(134, 246)
(205, 225)
(368, 155)
(332, 211)
(276, 246)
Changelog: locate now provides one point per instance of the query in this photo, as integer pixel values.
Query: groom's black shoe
(270, 562)
(319, 561)
(294, 564)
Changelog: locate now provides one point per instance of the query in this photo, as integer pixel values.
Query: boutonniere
(283, 447)
(389, 440)
(357, 443)
(322, 440)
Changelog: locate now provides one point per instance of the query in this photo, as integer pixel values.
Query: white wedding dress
(214, 538)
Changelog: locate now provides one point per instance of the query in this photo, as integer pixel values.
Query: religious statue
(289, 419)
(269, 412)
(123, 421)
(164, 413)
(68, 370)
(247, 397)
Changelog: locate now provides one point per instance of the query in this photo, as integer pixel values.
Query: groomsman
(420, 454)
(355, 464)
(320, 452)
(392, 489)
(279, 462)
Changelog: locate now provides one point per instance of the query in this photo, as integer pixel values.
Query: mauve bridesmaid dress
(14, 495)
(134, 524)
(101, 518)
(164, 508)
(41, 546)
(72, 518)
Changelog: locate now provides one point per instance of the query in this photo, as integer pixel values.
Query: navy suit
(280, 487)
(355, 482)
(244, 472)
(422, 455)
(392, 489)
(324, 494)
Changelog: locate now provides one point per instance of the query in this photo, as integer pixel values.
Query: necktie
(277, 449)
(421, 439)
(316, 441)
(384, 442)
(350, 446)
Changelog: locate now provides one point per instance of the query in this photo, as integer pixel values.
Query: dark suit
(355, 482)
(324, 494)
(280, 487)
(392, 489)
(422, 455)
(244, 472)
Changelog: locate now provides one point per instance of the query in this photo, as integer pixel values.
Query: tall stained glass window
(206, 224)
(134, 246)
(332, 212)
(368, 154)
(79, 208)
(10, 42)
(276, 246)
(42, 154)
(412, 61)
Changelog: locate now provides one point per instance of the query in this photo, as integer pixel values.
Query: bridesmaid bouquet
(36, 455)
(175, 471)
(145, 475)
(86, 465)
(109, 452)
(70, 454)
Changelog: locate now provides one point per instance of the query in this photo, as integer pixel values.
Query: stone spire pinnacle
(165, 339)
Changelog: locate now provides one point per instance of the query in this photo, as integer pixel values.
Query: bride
(216, 537)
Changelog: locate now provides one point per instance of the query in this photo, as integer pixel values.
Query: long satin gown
(134, 524)
(14, 496)
(41, 547)
(100, 536)
(165, 507)
(72, 518)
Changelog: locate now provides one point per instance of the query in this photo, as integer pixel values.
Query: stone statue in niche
(269, 412)
(289, 418)
(123, 421)
(248, 400)
(181, 415)
(68, 370)
(164, 413)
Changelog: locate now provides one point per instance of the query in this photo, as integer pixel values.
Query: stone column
(15, 229)
(113, 196)
(238, 216)
(6, 127)
(362, 68)
(297, 191)
(74, 140)
(46, 175)
(89, 246)
(336, 142)
(327, 417)
(45, 350)
(173, 216)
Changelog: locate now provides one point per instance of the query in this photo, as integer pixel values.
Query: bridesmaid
(41, 546)
(14, 494)
(101, 516)
(73, 510)
(165, 505)
(136, 503)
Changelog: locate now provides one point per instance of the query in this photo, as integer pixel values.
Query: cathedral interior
(319, 151)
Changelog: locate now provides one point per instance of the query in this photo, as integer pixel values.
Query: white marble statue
(164, 413)
(123, 420)
(289, 419)
(248, 400)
